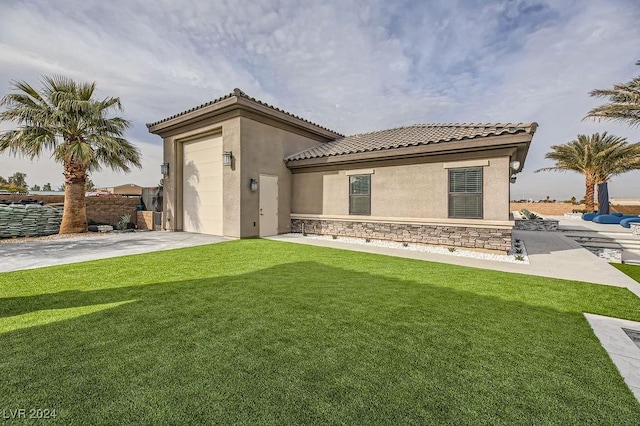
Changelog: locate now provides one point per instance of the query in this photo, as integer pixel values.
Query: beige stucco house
(238, 167)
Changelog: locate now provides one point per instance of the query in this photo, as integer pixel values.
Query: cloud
(353, 66)
(46, 170)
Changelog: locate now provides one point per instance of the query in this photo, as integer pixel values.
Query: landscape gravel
(19, 240)
(512, 257)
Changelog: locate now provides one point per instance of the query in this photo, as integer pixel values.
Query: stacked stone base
(30, 220)
(536, 224)
(453, 236)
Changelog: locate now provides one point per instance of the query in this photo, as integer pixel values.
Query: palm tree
(63, 117)
(624, 102)
(598, 157)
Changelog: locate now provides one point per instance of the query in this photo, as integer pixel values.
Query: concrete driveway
(38, 253)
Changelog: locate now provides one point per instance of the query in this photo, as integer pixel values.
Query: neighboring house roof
(240, 95)
(402, 137)
(126, 189)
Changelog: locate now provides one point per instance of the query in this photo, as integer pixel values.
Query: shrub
(405, 244)
(520, 258)
(452, 249)
(124, 222)
(528, 215)
(335, 237)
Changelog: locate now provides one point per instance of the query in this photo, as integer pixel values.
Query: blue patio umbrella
(603, 198)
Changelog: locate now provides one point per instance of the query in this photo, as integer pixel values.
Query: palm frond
(623, 103)
(65, 118)
(599, 155)
(29, 141)
(551, 169)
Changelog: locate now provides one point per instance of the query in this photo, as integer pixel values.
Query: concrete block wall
(47, 199)
(453, 236)
(145, 220)
(635, 210)
(111, 210)
(99, 209)
(559, 209)
(547, 209)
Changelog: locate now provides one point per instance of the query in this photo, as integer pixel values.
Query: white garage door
(202, 186)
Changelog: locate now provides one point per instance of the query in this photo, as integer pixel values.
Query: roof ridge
(241, 94)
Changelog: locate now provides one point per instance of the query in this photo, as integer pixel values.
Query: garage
(202, 186)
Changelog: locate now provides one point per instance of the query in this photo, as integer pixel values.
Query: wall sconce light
(227, 158)
(512, 179)
(253, 184)
(515, 165)
(164, 169)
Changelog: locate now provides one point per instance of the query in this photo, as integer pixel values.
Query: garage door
(202, 186)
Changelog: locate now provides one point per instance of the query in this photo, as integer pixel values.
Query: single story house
(238, 167)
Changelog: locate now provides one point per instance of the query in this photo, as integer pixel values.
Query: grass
(257, 331)
(631, 270)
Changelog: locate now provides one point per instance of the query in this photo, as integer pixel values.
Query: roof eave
(520, 140)
(208, 111)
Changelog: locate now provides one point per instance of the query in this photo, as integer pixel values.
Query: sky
(352, 66)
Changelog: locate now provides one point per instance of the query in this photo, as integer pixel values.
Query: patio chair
(627, 221)
(589, 216)
(607, 219)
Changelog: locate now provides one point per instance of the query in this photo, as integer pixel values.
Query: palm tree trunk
(74, 217)
(589, 193)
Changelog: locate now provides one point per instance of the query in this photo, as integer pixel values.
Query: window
(465, 192)
(360, 194)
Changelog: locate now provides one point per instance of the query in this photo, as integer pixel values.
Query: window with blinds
(465, 193)
(360, 194)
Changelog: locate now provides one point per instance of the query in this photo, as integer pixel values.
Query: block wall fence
(559, 209)
(99, 209)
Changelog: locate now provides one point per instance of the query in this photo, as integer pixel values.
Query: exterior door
(268, 205)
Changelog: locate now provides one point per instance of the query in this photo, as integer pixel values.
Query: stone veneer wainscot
(447, 235)
(635, 229)
(540, 224)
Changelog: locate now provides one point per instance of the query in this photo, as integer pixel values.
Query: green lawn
(256, 332)
(632, 270)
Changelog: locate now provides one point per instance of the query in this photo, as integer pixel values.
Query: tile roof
(240, 94)
(420, 134)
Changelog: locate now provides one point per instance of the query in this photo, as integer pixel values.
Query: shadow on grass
(306, 343)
